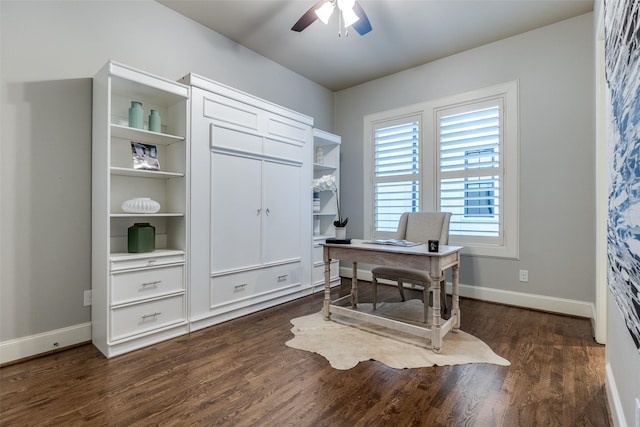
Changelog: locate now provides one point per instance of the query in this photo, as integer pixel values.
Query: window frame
(507, 246)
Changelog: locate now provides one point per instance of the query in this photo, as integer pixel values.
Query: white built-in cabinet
(235, 231)
(138, 298)
(326, 161)
(250, 197)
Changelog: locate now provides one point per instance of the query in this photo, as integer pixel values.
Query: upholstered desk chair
(416, 227)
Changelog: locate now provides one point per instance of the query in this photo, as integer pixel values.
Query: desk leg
(436, 322)
(455, 310)
(354, 285)
(327, 285)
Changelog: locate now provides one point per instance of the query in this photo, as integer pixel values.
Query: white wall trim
(519, 299)
(615, 405)
(40, 343)
(602, 180)
(47, 341)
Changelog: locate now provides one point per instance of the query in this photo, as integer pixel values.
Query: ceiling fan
(350, 13)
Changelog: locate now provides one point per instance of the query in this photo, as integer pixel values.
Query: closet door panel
(282, 203)
(235, 212)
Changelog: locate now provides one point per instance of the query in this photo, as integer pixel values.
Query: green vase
(136, 115)
(154, 121)
(141, 238)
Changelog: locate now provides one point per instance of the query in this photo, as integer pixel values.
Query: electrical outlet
(524, 275)
(87, 298)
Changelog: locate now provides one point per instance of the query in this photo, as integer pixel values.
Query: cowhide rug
(345, 342)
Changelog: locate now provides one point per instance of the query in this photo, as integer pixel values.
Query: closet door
(282, 189)
(236, 212)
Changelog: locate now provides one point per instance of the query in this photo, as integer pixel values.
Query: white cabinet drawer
(138, 318)
(248, 284)
(147, 283)
(152, 259)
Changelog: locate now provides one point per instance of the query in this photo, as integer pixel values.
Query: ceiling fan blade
(362, 25)
(308, 18)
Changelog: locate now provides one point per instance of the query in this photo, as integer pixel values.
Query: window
(396, 171)
(480, 198)
(459, 155)
(479, 203)
(469, 140)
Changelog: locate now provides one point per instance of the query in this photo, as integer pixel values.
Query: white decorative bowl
(143, 205)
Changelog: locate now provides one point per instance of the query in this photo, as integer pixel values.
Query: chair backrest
(423, 226)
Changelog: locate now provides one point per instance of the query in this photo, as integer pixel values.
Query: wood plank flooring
(240, 373)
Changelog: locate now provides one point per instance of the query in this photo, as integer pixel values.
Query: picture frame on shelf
(145, 156)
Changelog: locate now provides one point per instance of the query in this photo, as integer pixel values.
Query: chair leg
(401, 289)
(374, 284)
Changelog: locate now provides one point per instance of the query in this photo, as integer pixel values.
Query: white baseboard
(41, 343)
(518, 299)
(615, 405)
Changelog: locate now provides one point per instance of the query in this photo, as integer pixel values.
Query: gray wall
(50, 50)
(554, 66)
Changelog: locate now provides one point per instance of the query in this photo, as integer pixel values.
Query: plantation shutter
(396, 171)
(470, 149)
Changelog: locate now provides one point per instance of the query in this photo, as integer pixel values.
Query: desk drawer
(138, 318)
(142, 284)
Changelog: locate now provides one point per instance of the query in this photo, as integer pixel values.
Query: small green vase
(141, 238)
(136, 115)
(154, 121)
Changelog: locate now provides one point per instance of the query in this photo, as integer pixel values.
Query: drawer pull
(146, 316)
(282, 278)
(154, 284)
(152, 261)
(239, 287)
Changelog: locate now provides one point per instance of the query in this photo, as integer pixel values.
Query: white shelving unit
(138, 298)
(323, 218)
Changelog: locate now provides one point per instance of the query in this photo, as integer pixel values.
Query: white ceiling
(405, 33)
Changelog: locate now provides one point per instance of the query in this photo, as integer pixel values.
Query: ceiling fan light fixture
(346, 4)
(324, 12)
(349, 17)
(350, 14)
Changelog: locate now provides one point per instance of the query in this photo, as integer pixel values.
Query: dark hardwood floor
(240, 373)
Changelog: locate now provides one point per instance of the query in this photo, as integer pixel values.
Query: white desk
(415, 257)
